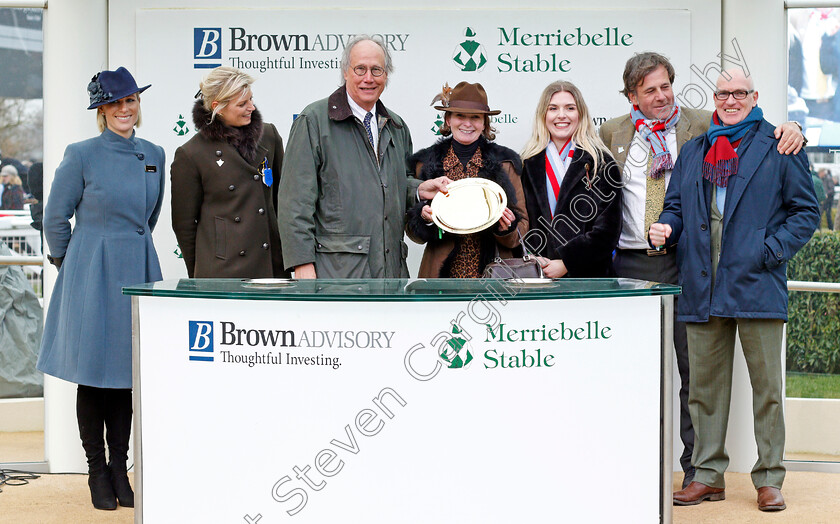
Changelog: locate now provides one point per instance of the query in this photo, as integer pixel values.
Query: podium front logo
(201, 340)
(207, 47)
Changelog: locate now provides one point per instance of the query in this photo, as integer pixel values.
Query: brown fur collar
(244, 139)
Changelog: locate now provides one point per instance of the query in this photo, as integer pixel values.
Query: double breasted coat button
(218, 153)
(360, 247)
(256, 177)
(236, 219)
(265, 246)
(702, 227)
(140, 156)
(242, 253)
(231, 187)
(261, 211)
(140, 231)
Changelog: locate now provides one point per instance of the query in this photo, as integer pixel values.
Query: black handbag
(525, 266)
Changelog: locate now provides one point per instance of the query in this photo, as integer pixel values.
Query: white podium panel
(398, 412)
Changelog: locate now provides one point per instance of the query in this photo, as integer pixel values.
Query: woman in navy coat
(113, 184)
(570, 182)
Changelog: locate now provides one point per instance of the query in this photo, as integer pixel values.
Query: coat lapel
(620, 141)
(262, 153)
(683, 132)
(576, 171)
(536, 169)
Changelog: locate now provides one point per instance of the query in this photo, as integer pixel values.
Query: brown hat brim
(468, 111)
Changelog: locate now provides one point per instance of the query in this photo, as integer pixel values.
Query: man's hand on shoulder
(790, 137)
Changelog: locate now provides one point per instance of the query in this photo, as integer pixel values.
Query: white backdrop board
(353, 417)
(295, 54)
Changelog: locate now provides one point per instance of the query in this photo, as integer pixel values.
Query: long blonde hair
(584, 136)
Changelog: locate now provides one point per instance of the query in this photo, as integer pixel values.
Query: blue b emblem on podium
(201, 340)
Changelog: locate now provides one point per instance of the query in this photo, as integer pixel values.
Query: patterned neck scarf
(467, 260)
(654, 131)
(721, 161)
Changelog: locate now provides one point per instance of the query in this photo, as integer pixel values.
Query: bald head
(735, 96)
(735, 74)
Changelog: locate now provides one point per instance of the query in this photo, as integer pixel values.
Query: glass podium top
(400, 290)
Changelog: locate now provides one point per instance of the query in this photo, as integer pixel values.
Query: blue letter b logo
(207, 42)
(201, 336)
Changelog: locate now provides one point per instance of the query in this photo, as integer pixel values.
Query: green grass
(812, 385)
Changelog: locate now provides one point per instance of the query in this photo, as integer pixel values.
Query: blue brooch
(266, 172)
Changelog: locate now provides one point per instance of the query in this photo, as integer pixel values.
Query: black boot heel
(121, 486)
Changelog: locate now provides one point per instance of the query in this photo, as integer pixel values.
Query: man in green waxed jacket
(345, 184)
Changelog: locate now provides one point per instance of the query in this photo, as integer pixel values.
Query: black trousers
(663, 268)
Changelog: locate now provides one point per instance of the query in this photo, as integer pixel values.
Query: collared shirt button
(256, 177)
(385, 185)
(140, 156)
(387, 250)
(237, 219)
(702, 227)
(140, 230)
(195, 220)
(261, 211)
(386, 217)
(703, 273)
(265, 245)
(231, 187)
(242, 253)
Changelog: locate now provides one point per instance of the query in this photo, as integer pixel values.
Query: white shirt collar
(358, 111)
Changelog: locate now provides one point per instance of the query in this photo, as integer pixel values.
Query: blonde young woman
(572, 188)
(224, 184)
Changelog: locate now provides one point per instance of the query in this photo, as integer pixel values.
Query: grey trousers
(711, 348)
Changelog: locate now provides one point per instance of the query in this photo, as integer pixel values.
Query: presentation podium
(403, 401)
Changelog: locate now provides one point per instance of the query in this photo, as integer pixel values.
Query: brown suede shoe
(770, 499)
(696, 493)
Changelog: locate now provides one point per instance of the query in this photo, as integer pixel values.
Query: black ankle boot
(91, 426)
(101, 493)
(120, 484)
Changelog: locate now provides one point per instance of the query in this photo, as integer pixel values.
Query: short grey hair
(345, 56)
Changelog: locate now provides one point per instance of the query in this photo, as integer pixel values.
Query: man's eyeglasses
(361, 70)
(737, 95)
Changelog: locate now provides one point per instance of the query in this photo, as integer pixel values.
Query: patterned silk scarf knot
(654, 133)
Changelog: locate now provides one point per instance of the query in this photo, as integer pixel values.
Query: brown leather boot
(695, 493)
(770, 499)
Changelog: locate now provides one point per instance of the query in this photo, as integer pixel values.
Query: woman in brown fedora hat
(572, 182)
(467, 151)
